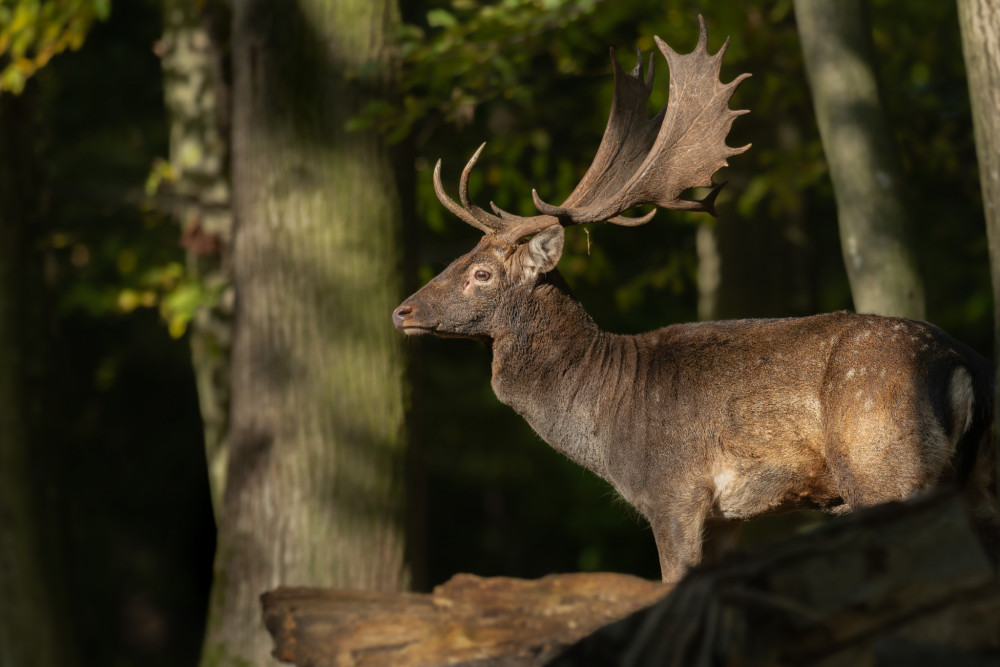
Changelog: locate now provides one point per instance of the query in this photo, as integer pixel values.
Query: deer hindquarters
(888, 440)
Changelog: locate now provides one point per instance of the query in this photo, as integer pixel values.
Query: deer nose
(400, 314)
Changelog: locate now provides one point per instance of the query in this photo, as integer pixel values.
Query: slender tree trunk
(30, 630)
(980, 25)
(194, 54)
(864, 161)
(315, 493)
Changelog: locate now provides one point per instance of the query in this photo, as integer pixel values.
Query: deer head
(640, 161)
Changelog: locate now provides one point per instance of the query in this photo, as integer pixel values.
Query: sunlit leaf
(440, 18)
(32, 32)
(177, 326)
(25, 14)
(12, 79)
(103, 9)
(128, 300)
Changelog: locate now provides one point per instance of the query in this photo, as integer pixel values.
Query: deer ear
(542, 252)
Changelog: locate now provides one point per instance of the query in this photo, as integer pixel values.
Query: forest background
(118, 304)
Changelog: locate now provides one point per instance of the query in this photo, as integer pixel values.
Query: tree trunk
(194, 55)
(30, 634)
(315, 490)
(980, 25)
(864, 161)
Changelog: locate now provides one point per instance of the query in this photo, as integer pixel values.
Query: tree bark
(315, 490)
(868, 179)
(194, 56)
(980, 24)
(30, 630)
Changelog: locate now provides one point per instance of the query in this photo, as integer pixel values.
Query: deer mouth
(413, 330)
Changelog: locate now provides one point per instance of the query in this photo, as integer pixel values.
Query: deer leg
(679, 534)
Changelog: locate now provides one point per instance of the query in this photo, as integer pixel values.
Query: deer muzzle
(403, 319)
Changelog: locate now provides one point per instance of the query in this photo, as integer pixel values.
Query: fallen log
(467, 621)
(899, 584)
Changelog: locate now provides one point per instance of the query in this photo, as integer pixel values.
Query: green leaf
(441, 18)
(358, 123)
(752, 195)
(103, 9)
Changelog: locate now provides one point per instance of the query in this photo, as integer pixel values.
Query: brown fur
(724, 420)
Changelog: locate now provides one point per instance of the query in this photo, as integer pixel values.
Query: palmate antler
(640, 161)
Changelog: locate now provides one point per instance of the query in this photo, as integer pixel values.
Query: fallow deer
(709, 420)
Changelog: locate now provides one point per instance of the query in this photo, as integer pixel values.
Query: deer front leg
(678, 529)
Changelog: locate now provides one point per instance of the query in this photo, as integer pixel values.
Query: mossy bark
(315, 489)
(195, 58)
(867, 174)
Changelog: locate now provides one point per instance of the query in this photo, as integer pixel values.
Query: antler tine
(450, 204)
(687, 146)
(468, 211)
(637, 70)
(512, 228)
(702, 44)
(506, 216)
(463, 183)
(491, 221)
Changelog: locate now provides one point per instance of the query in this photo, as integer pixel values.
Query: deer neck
(544, 365)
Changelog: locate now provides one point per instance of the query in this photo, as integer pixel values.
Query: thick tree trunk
(194, 54)
(980, 24)
(868, 179)
(29, 630)
(315, 490)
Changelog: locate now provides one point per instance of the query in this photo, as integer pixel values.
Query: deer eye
(482, 275)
